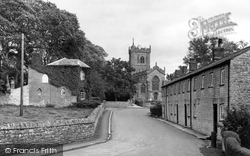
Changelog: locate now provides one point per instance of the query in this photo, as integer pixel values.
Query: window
(39, 91)
(202, 81)
(211, 80)
(82, 95)
(195, 83)
(222, 76)
(179, 88)
(142, 60)
(195, 110)
(155, 83)
(183, 87)
(143, 88)
(45, 78)
(82, 75)
(156, 96)
(63, 92)
(175, 109)
(188, 86)
(188, 110)
(175, 89)
(221, 112)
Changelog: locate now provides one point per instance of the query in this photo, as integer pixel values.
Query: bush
(156, 110)
(87, 104)
(139, 103)
(50, 105)
(238, 120)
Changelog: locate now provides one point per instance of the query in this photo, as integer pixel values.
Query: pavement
(103, 131)
(102, 134)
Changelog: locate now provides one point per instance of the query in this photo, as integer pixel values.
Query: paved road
(135, 133)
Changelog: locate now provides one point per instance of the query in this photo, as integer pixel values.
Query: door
(215, 117)
(185, 114)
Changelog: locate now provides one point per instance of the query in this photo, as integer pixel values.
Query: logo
(216, 26)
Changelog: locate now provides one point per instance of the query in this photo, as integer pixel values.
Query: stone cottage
(199, 99)
(59, 83)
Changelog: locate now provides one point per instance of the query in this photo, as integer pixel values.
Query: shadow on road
(208, 151)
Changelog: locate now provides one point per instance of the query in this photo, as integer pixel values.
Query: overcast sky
(163, 24)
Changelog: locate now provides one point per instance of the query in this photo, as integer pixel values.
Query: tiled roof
(68, 62)
(211, 65)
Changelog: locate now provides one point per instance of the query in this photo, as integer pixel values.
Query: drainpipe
(228, 87)
(190, 102)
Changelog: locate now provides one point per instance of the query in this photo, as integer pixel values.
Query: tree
(120, 82)
(202, 52)
(53, 32)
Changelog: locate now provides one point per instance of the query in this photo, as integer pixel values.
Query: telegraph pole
(21, 93)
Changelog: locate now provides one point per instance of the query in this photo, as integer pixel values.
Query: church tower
(139, 58)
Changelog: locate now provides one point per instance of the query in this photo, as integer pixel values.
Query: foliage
(118, 76)
(139, 102)
(87, 104)
(48, 30)
(50, 105)
(156, 110)
(238, 120)
(202, 52)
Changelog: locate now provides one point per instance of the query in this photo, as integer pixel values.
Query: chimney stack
(218, 50)
(36, 59)
(192, 64)
(183, 70)
(177, 73)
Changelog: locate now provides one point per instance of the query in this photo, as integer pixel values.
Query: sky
(163, 24)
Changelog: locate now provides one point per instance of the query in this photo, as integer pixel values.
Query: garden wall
(58, 132)
(117, 104)
(232, 145)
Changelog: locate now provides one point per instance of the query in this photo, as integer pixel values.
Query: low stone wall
(117, 104)
(231, 144)
(58, 132)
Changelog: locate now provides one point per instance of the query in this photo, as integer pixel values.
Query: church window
(142, 60)
(155, 96)
(45, 78)
(143, 88)
(155, 83)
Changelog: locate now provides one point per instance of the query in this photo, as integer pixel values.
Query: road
(135, 133)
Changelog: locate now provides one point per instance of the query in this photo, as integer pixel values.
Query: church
(149, 79)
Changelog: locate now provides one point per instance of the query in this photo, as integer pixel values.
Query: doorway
(215, 117)
(185, 114)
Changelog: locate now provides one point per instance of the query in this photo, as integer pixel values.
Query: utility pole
(21, 93)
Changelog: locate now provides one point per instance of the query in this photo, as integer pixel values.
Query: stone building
(59, 83)
(149, 79)
(199, 99)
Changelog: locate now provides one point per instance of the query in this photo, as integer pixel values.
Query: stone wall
(58, 132)
(240, 80)
(117, 104)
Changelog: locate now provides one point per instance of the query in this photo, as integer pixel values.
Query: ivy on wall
(68, 76)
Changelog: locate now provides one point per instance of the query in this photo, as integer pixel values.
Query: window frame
(188, 86)
(195, 83)
(202, 81)
(222, 77)
(221, 112)
(211, 76)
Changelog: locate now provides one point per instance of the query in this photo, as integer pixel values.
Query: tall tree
(202, 52)
(120, 82)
